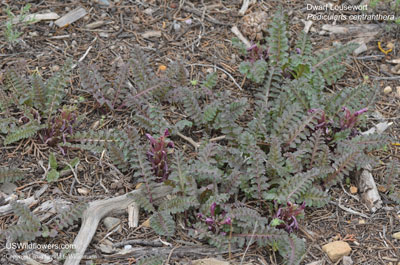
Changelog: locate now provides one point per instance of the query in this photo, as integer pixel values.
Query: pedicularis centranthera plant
(294, 143)
(299, 141)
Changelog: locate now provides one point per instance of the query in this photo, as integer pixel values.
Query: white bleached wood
(99, 209)
(71, 17)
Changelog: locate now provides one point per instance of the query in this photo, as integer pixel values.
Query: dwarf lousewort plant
(157, 154)
(61, 126)
(286, 217)
(216, 222)
(257, 52)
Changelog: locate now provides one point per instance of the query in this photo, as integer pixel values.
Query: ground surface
(204, 43)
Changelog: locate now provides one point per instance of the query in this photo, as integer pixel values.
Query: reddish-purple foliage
(350, 119)
(157, 154)
(288, 215)
(256, 52)
(60, 126)
(216, 221)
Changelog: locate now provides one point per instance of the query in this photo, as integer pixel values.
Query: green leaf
(163, 223)
(254, 71)
(73, 163)
(276, 222)
(53, 175)
(53, 161)
(180, 125)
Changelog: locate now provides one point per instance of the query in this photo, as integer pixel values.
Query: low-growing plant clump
(254, 184)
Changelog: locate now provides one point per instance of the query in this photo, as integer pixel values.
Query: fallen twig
(245, 6)
(208, 18)
(6, 209)
(219, 68)
(348, 209)
(188, 139)
(99, 209)
(239, 34)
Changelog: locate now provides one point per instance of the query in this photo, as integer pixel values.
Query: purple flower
(212, 208)
(350, 119)
(289, 216)
(298, 51)
(157, 154)
(227, 221)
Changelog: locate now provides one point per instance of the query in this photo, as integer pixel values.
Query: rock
(83, 191)
(347, 260)
(362, 48)
(387, 90)
(209, 261)
(396, 69)
(390, 45)
(128, 247)
(112, 223)
(146, 223)
(396, 235)
(106, 249)
(336, 250)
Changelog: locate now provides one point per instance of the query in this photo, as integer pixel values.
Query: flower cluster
(257, 52)
(157, 154)
(61, 126)
(286, 217)
(215, 221)
(350, 119)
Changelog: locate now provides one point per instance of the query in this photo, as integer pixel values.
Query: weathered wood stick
(99, 209)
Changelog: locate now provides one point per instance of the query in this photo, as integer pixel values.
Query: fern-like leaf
(23, 132)
(342, 166)
(278, 40)
(291, 188)
(10, 174)
(178, 204)
(163, 223)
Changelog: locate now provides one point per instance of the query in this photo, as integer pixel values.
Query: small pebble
(353, 190)
(396, 235)
(387, 90)
(83, 191)
(55, 68)
(177, 26)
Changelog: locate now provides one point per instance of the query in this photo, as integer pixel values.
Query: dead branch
(99, 209)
